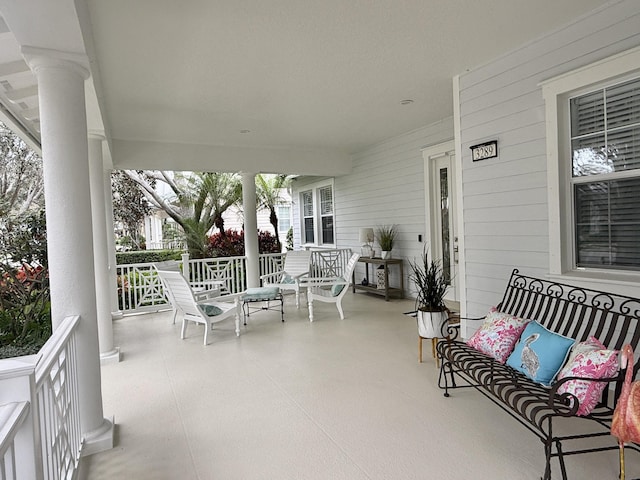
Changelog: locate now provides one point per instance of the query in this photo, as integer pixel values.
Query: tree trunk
(273, 218)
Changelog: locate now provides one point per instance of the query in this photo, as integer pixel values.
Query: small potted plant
(386, 237)
(431, 285)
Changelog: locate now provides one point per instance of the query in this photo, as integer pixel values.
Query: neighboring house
(234, 220)
(156, 224)
(523, 208)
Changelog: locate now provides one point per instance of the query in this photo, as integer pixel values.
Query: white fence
(140, 288)
(40, 437)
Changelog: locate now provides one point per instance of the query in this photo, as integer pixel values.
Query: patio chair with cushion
(206, 312)
(330, 289)
(296, 266)
(200, 293)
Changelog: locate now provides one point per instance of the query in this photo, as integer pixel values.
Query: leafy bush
(231, 244)
(25, 299)
(147, 256)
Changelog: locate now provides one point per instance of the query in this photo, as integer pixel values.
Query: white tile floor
(328, 400)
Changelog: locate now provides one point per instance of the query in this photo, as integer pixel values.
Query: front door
(441, 212)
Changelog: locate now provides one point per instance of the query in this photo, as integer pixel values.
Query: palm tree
(269, 194)
(197, 203)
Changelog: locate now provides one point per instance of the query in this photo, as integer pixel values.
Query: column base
(100, 439)
(112, 356)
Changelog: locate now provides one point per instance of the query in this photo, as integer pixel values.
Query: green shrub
(147, 256)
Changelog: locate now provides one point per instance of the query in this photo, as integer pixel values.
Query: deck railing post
(17, 384)
(185, 266)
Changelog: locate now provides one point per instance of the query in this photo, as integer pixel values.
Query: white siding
(386, 186)
(505, 199)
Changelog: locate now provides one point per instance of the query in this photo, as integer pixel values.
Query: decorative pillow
(540, 353)
(498, 334)
(336, 289)
(211, 310)
(287, 279)
(589, 359)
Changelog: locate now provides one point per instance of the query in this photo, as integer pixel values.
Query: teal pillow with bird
(540, 353)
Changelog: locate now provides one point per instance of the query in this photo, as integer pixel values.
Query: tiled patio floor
(328, 400)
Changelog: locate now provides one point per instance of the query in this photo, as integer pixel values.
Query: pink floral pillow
(498, 335)
(589, 359)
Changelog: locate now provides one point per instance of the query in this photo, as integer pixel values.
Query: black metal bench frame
(568, 310)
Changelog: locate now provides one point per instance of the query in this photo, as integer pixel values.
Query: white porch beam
(251, 250)
(128, 154)
(61, 79)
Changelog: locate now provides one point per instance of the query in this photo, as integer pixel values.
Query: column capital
(38, 58)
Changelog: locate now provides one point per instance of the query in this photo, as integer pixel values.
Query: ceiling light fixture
(408, 101)
(245, 131)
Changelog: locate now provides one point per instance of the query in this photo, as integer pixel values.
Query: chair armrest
(231, 297)
(300, 275)
(321, 281)
(206, 294)
(268, 276)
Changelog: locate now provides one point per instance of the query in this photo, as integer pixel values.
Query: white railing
(58, 402)
(40, 436)
(12, 417)
(140, 288)
(228, 270)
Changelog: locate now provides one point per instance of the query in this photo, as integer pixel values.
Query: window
(593, 160)
(326, 213)
(317, 215)
(284, 218)
(605, 146)
(308, 227)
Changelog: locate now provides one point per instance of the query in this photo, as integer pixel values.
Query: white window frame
(317, 217)
(556, 92)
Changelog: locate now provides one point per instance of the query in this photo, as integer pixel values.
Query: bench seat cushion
(260, 294)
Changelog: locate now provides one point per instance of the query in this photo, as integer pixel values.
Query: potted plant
(431, 285)
(386, 237)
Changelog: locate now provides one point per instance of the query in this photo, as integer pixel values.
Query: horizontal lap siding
(505, 199)
(386, 186)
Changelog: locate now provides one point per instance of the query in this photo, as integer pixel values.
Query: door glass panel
(444, 221)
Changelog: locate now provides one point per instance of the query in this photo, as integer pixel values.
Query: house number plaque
(484, 151)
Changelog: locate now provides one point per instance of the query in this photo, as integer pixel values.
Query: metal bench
(570, 311)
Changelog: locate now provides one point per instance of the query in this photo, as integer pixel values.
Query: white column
(111, 246)
(69, 231)
(108, 353)
(250, 229)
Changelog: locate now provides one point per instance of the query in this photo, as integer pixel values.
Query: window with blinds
(307, 217)
(326, 213)
(317, 215)
(605, 144)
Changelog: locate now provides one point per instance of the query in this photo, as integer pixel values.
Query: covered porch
(330, 399)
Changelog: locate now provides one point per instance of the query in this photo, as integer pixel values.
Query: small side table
(387, 291)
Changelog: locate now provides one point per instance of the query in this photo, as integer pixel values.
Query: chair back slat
(296, 262)
(180, 291)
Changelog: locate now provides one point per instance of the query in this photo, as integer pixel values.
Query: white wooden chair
(206, 312)
(296, 266)
(330, 290)
(200, 294)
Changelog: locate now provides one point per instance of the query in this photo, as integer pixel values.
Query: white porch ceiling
(307, 79)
